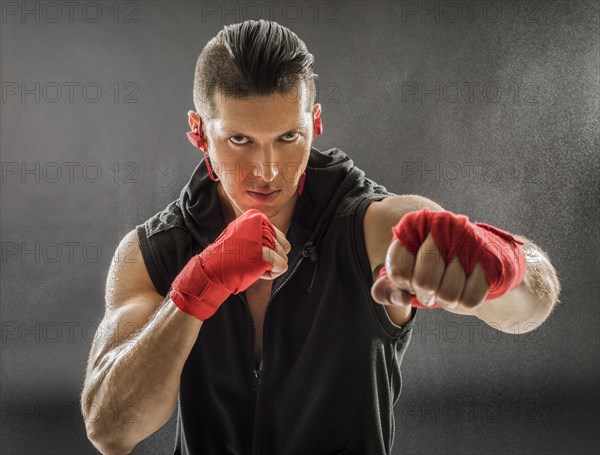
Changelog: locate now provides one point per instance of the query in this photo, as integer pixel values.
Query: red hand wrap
(498, 252)
(227, 266)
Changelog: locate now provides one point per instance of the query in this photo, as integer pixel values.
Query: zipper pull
(309, 289)
(311, 251)
(306, 250)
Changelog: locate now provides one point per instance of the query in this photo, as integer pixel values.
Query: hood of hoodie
(330, 176)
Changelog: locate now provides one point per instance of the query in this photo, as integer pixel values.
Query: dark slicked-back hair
(252, 58)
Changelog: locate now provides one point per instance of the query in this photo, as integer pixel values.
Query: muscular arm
(137, 356)
(521, 310)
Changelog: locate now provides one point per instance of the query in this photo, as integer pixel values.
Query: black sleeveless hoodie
(329, 374)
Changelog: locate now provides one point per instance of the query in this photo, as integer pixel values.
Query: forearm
(526, 307)
(130, 392)
(518, 311)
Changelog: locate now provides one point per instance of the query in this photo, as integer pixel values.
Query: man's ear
(317, 122)
(196, 135)
(194, 120)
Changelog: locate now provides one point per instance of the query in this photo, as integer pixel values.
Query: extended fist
(440, 259)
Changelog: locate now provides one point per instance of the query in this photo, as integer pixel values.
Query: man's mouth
(264, 196)
(263, 192)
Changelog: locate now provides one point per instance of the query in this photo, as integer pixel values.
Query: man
(273, 301)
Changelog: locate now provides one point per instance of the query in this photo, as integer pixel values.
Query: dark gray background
(517, 148)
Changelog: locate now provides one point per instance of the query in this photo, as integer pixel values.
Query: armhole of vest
(381, 316)
(152, 265)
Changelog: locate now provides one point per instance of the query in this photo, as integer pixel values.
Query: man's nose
(268, 167)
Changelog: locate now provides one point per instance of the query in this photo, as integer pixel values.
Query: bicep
(130, 299)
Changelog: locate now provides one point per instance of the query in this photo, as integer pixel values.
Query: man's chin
(270, 212)
(247, 205)
(270, 209)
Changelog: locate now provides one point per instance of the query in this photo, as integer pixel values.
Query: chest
(258, 296)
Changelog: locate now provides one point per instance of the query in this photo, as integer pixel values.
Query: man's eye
(293, 135)
(237, 139)
(243, 140)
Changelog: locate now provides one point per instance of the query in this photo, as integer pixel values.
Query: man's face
(261, 144)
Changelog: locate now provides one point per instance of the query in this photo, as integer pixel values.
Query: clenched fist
(440, 259)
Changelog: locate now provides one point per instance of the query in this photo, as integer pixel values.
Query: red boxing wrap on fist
(498, 252)
(227, 266)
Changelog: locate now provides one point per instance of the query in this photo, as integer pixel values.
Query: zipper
(308, 250)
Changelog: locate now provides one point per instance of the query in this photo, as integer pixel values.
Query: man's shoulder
(366, 192)
(166, 244)
(171, 217)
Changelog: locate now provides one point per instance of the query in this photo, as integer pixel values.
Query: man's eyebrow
(242, 133)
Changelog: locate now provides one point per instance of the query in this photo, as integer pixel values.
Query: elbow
(515, 313)
(103, 432)
(106, 442)
(512, 313)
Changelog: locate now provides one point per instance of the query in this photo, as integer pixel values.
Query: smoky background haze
(488, 108)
